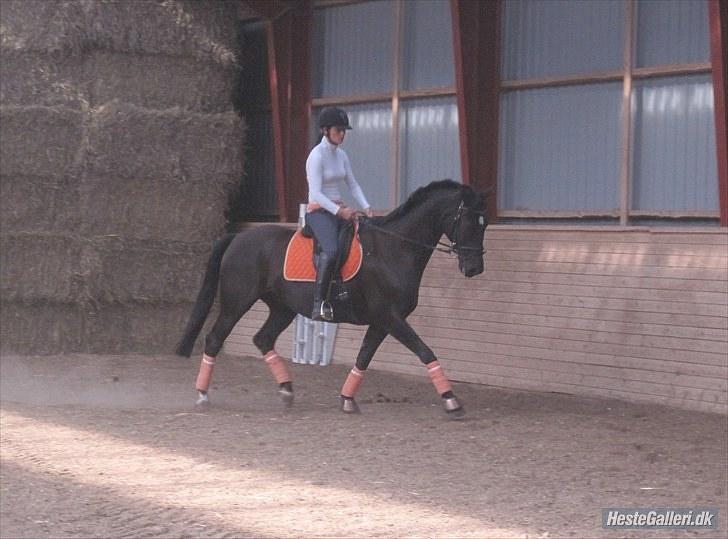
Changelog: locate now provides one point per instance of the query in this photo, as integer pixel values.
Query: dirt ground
(113, 446)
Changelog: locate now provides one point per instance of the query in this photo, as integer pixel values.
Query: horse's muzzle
(472, 272)
(471, 269)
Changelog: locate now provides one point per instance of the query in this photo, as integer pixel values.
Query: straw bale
(39, 141)
(127, 270)
(37, 266)
(42, 327)
(39, 25)
(205, 30)
(48, 328)
(162, 209)
(133, 142)
(159, 82)
(37, 203)
(135, 327)
(30, 78)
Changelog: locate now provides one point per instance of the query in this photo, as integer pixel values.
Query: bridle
(454, 246)
(450, 248)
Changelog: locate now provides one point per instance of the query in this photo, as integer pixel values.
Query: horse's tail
(205, 297)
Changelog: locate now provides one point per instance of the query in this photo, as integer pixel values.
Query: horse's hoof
(203, 401)
(349, 406)
(286, 397)
(453, 408)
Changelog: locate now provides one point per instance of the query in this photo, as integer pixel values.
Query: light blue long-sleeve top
(327, 170)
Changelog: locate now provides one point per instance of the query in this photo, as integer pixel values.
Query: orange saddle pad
(298, 265)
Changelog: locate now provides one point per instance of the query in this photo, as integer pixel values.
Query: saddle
(303, 249)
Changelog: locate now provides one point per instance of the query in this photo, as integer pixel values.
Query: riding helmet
(334, 117)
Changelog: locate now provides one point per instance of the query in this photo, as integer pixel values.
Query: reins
(440, 246)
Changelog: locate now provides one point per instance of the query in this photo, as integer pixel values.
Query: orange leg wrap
(205, 374)
(353, 381)
(277, 367)
(437, 375)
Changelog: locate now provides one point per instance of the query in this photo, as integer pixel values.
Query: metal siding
(674, 150)
(672, 32)
(368, 147)
(561, 37)
(559, 148)
(352, 49)
(428, 53)
(430, 145)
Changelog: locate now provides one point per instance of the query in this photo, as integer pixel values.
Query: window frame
(394, 97)
(627, 75)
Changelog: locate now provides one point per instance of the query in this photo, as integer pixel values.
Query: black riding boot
(321, 307)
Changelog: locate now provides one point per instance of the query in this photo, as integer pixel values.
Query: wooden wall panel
(633, 314)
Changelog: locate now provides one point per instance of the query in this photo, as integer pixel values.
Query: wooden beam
(269, 9)
(625, 169)
(289, 73)
(395, 146)
(476, 44)
(607, 76)
(276, 116)
(718, 19)
(299, 98)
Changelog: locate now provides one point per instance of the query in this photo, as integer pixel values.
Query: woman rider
(327, 169)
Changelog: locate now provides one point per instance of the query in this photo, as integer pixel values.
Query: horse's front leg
(373, 338)
(403, 332)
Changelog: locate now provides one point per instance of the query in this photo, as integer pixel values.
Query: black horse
(249, 266)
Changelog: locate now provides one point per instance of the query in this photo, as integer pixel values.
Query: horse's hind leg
(229, 315)
(279, 319)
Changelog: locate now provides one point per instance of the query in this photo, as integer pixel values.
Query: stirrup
(325, 312)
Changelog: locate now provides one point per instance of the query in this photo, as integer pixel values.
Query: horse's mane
(422, 194)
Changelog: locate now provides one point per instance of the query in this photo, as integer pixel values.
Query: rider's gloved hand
(346, 213)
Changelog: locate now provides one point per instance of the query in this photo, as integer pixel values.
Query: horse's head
(468, 230)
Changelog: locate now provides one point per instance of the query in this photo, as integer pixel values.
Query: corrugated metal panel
(368, 146)
(430, 145)
(674, 150)
(672, 32)
(428, 60)
(561, 37)
(352, 49)
(560, 149)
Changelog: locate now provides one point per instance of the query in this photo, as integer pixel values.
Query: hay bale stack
(39, 141)
(39, 149)
(141, 163)
(40, 267)
(119, 150)
(42, 327)
(40, 79)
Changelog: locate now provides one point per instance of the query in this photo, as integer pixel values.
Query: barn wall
(119, 146)
(634, 314)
